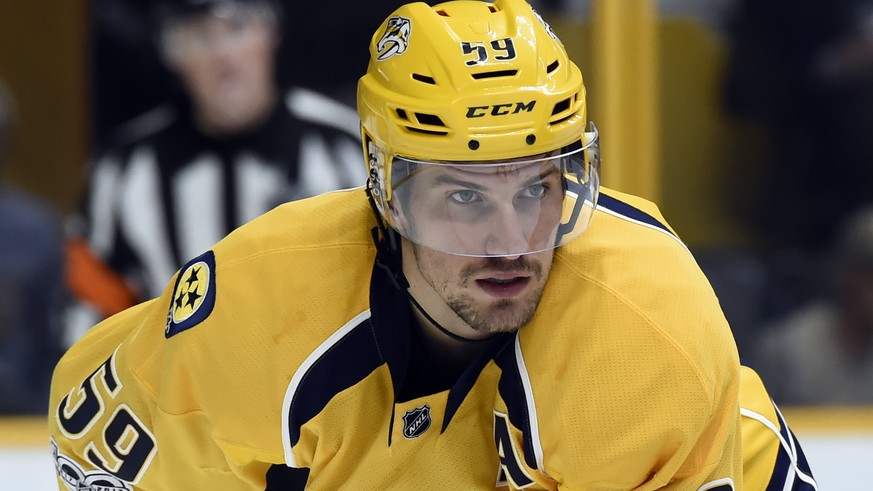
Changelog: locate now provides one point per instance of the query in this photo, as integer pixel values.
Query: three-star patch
(194, 294)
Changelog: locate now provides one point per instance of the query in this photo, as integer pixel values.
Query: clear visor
(496, 209)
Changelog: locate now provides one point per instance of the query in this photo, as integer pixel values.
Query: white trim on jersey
(304, 367)
(717, 483)
(790, 448)
(531, 406)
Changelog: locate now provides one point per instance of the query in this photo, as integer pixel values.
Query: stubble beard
(505, 315)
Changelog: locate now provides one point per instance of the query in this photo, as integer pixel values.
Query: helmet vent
(561, 106)
(402, 114)
(427, 132)
(561, 120)
(495, 74)
(442, 13)
(429, 119)
(561, 111)
(492, 8)
(424, 78)
(553, 66)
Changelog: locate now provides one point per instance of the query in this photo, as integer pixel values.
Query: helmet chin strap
(389, 258)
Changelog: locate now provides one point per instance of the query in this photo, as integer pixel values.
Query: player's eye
(465, 196)
(535, 191)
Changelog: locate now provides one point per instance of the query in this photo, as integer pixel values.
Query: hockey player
(446, 327)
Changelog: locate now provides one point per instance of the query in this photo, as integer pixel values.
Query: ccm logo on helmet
(500, 109)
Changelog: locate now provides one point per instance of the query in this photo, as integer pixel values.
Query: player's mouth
(503, 287)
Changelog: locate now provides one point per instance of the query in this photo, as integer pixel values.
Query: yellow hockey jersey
(285, 348)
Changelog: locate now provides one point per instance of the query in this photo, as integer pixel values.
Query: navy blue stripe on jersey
(465, 383)
(784, 471)
(801, 484)
(803, 466)
(345, 363)
(512, 391)
(623, 209)
(780, 471)
(284, 478)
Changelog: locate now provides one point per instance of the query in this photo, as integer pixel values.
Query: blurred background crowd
(136, 133)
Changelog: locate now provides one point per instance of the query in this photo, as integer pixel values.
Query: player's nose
(506, 236)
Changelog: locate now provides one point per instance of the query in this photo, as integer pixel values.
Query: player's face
(489, 294)
(490, 209)
(226, 63)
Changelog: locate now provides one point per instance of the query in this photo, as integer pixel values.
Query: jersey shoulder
(297, 269)
(627, 319)
(227, 334)
(644, 278)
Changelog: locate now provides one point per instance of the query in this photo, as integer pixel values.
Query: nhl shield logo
(416, 422)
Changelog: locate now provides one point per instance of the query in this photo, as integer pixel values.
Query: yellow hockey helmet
(470, 84)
